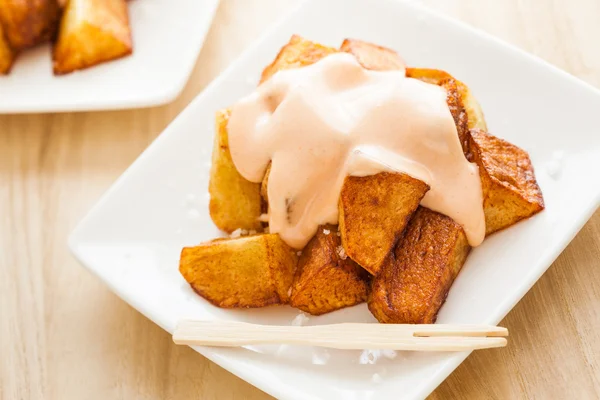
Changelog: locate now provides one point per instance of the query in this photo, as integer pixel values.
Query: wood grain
(63, 335)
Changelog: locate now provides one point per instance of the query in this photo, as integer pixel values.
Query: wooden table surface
(64, 335)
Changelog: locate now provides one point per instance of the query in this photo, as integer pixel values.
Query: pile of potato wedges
(84, 33)
(386, 250)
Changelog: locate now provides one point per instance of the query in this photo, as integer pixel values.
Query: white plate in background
(133, 236)
(167, 38)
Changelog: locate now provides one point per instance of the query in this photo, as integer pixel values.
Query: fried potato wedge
(372, 56)
(475, 117)
(7, 54)
(510, 190)
(459, 114)
(433, 76)
(373, 212)
(298, 52)
(91, 32)
(28, 22)
(326, 279)
(252, 271)
(234, 201)
(415, 279)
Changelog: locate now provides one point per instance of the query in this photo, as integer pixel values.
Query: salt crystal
(281, 349)
(326, 231)
(553, 168)
(263, 218)
(190, 198)
(237, 233)
(320, 356)
(193, 214)
(369, 356)
(376, 378)
(387, 353)
(299, 253)
(555, 165)
(300, 319)
(341, 252)
(558, 155)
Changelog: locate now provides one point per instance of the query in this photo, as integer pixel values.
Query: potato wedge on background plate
(91, 32)
(7, 54)
(155, 73)
(27, 23)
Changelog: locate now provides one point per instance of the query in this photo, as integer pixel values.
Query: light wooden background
(63, 335)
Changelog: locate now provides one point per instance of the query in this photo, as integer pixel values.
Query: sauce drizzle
(320, 123)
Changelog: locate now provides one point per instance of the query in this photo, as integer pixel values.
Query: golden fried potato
(415, 280)
(433, 76)
(298, 52)
(28, 22)
(510, 190)
(326, 279)
(7, 54)
(457, 109)
(372, 56)
(246, 272)
(373, 212)
(475, 118)
(91, 32)
(234, 201)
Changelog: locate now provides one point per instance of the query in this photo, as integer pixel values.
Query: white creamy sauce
(318, 124)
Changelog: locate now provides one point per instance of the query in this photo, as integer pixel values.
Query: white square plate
(167, 39)
(133, 237)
